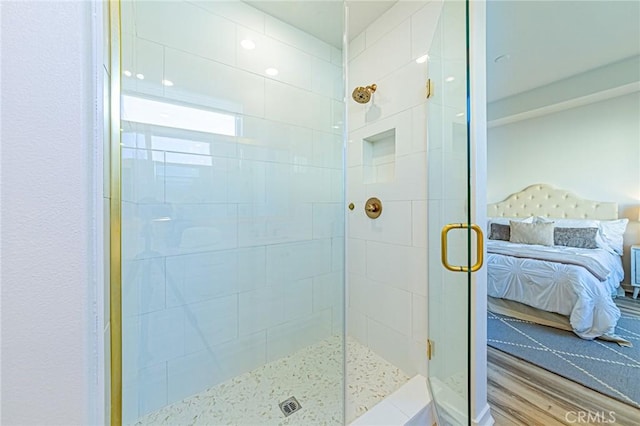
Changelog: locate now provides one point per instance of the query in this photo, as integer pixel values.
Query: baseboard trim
(484, 418)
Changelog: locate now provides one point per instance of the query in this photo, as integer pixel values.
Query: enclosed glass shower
(252, 292)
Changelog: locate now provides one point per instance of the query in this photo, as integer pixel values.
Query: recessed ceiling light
(140, 76)
(460, 114)
(450, 79)
(248, 44)
(271, 71)
(502, 58)
(422, 59)
(127, 73)
(167, 83)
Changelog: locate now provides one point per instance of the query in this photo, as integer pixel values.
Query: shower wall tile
(327, 150)
(337, 255)
(208, 83)
(382, 57)
(277, 142)
(419, 128)
(152, 388)
(357, 325)
(191, 142)
(298, 299)
(357, 46)
(313, 112)
(246, 181)
(393, 226)
(142, 57)
(195, 178)
(293, 65)
(297, 38)
(274, 223)
(184, 26)
(205, 227)
(143, 176)
(145, 231)
(326, 78)
(151, 339)
(210, 323)
(295, 261)
(294, 335)
(201, 370)
(328, 219)
(229, 239)
(398, 14)
(327, 291)
(237, 11)
(390, 345)
(403, 267)
(410, 182)
(260, 309)
(387, 257)
(389, 305)
(145, 289)
(357, 256)
(358, 292)
(199, 277)
(419, 223)
(410, 81)
(419, 318)
(336, 57)
(423, 26)
(252, 268)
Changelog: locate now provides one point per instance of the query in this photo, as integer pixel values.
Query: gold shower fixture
(362, 95)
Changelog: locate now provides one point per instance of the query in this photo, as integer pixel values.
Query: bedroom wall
(592, 150)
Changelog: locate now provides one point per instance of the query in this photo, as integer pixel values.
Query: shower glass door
(232, 217)
(448, 203)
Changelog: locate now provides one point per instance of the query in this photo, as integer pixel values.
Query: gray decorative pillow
(499, 232)
(576, 237)
(532, 233)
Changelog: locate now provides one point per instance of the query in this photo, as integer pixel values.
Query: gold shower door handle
(479, 246)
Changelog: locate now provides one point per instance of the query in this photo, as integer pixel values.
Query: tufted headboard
(545, 200)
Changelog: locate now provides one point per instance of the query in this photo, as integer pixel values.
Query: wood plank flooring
(521, 393)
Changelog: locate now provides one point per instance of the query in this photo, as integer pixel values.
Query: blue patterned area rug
(603, 366)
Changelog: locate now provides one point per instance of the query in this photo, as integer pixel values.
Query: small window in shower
(379, 157)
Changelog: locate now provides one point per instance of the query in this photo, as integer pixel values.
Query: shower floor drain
(290, 406)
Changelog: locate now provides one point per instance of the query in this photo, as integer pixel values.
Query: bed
(555, 259)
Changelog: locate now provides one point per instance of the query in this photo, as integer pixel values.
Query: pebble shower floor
(313, 375)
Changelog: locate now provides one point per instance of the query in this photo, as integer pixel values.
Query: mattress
(565, 289)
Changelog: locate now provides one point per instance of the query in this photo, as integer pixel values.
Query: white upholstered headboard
(545, 200)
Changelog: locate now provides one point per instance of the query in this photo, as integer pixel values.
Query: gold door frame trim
(115, 208)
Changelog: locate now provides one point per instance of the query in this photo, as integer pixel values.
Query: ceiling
(545, 40)
(550, 40)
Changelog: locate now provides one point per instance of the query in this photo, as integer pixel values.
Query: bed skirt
(524, 312)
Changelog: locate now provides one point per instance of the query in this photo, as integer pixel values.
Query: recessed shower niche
(379, 157)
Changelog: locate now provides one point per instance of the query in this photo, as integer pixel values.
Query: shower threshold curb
(408, 406)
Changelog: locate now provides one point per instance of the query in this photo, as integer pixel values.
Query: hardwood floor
(521, 393)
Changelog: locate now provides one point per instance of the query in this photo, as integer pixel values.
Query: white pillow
(612, 232)
(531, 233)
(506, 220)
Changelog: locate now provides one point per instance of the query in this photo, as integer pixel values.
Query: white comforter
(565, 289)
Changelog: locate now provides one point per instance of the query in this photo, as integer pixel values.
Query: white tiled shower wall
(232, 245)
(387, 257)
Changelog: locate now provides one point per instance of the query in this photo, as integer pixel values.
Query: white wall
(387, 257)
(49, 370)
(592, 150)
